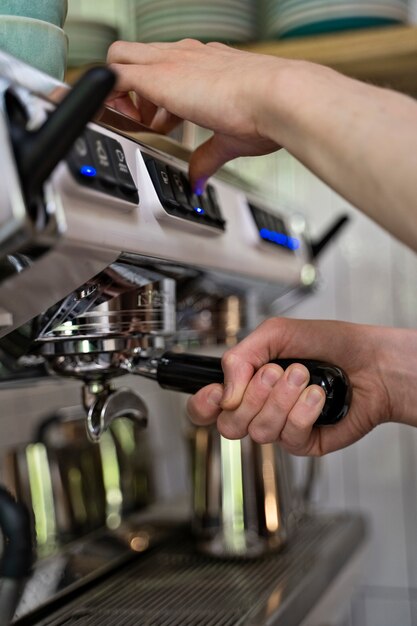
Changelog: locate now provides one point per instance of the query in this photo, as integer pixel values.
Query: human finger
(123, 104)
(185, 44)
(139, 79)
(350, 429)
(241, 362)
(147, 110)
(164, 121)
(234, 424)
(132, 53)
(204, 407)
(222, 46)
(296, 433)
(207, 159)
(220, 149)
(267, 425)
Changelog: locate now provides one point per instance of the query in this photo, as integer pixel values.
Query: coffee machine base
(172, 585)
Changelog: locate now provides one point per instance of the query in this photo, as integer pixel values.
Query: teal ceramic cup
(38, 43)
(53, 11)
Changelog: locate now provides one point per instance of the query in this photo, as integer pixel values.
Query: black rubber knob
(15, 524)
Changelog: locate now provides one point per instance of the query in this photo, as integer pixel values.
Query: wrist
(398, 369)
(284, 89)
(295, 107)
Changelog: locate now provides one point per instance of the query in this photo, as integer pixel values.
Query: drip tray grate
(173, 586)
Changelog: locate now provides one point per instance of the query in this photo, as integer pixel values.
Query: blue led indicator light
(293, 243)
(280, 239)
(88, 170)
(199, 210)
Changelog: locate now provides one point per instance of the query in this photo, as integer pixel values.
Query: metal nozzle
(104, 405)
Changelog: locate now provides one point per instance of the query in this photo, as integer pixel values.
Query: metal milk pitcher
(245, 501)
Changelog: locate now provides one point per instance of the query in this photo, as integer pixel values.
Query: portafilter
(122, 322)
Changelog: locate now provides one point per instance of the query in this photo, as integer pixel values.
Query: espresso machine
(112, 269)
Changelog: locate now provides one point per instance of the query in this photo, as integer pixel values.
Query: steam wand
(38, 152)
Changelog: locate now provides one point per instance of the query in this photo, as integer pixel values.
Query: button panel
(272, 229)
(99, 162)
(175, 195)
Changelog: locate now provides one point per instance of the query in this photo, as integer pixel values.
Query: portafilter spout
(104, 404)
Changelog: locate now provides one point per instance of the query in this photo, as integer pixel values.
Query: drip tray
(172, 585)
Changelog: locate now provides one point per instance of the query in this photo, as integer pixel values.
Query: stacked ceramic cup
(231, 21)
(91, 28)
(31, 30)
(294, 18)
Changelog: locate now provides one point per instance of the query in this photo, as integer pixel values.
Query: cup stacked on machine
(91, 27)
(294, 18)
(230, 21)
(31, 30)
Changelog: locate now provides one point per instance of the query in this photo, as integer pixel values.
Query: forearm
(359, 139)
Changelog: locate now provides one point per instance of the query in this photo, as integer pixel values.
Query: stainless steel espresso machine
(111, 269)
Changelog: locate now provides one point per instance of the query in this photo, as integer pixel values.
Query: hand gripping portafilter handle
(189, 373)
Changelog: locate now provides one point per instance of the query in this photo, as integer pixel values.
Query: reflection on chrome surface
(75, 487)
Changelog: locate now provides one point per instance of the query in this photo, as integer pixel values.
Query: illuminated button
(293, 243)
(81, 160)
(88, 171)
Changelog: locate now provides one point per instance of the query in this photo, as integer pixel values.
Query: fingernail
(228, 392)
(215, 397)
(199, 187)
(270, 376)
(297, 377)
(314, 397)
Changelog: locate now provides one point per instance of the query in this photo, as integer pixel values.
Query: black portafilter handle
(189, 373)
(38, 152)
(16, 527)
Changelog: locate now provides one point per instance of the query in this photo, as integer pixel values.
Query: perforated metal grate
(174, 586)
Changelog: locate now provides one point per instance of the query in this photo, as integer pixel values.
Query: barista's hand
(255, 103)
(211, 85)
(272, 405)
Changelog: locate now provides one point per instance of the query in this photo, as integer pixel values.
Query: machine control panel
(99, 162)
(272, 229)
(175, 195)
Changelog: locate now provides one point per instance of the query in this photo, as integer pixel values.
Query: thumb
(208, 158)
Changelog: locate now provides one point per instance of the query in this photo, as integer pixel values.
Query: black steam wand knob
(18, 555)
(39, 152)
